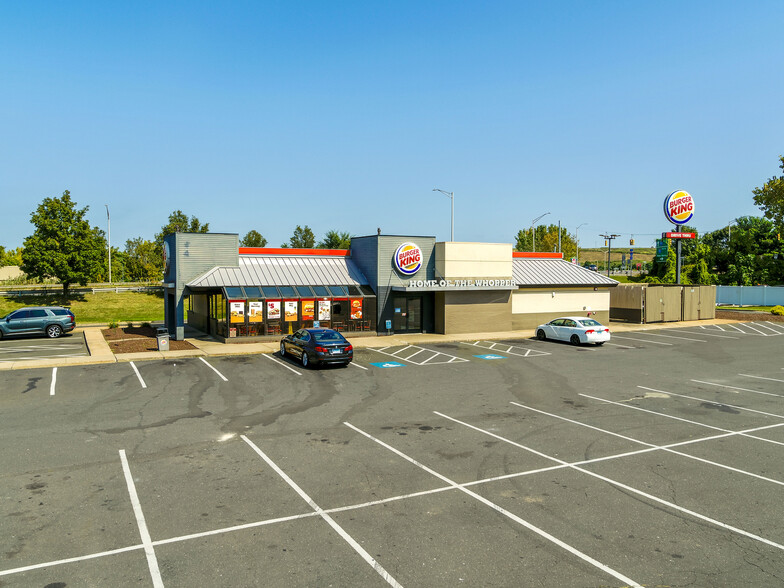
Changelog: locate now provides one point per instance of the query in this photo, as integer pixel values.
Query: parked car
(575, 329)
(317, 346)
(51, 321)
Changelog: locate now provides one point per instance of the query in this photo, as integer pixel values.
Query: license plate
(335, 351)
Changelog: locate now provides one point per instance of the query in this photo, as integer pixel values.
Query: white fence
(750, 295)
(58, 289)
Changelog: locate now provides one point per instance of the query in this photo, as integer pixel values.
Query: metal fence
(59, 289)
(750, 295)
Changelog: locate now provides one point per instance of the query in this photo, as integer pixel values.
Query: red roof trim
(292, 251)
(543, 255)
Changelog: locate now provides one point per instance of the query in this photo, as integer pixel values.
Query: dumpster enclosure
(657, 303)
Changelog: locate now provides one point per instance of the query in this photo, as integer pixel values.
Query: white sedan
(575, 329)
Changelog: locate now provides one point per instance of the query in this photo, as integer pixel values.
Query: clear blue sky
(345, 115)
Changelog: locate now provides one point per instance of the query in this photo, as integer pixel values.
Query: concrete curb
(100, 352)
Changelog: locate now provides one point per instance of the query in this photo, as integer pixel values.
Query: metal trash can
(162, 335)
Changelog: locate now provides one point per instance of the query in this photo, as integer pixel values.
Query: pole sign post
(679, 209)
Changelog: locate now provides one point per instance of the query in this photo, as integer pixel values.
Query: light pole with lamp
(451, 196)
(109, 240)
(577, 241)
(533, 230)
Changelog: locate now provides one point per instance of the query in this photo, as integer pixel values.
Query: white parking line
(761, 377)
(149, 551)
(777, 325)
(737, 388)
(626, 487)
(708, 334)
(54, 381)
(222, 377)
(715, 403)
(619, 345)
(647, 332)
(528, 352)
(643, 340)
(328, 519)
(138, 375)
(767, 325)
(439, 354)
(288, 367)
(756, 329)
(362, 367)
(503, 511)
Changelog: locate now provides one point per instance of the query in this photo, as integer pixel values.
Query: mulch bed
(138, 339)
(748, 315)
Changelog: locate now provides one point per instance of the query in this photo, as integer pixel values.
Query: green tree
(143, 260)
(303, 238)
(64, 245)
(335, 240)
(546, 240)
(253, 239)
(179, 223)
(10, 256)
(770, 198)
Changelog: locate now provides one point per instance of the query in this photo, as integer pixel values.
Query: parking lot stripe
(647, 332)
(715, 403)
(528, 350)
(503, 511)
(766, 324)
(149, 551)
(78, 558)
(760, 378)
(138, 375)
(222, 377)
(288, 367)
(362, 367)
(755, 329)
(54, 381)
(328, 519)
(707, 334)
(643, 340)
(619, 345)
(667, 448)
(626, 487)
(738, 388)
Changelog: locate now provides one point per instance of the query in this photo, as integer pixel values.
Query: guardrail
(59, 290)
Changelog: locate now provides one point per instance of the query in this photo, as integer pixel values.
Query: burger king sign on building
(679, 207)
(408, 259)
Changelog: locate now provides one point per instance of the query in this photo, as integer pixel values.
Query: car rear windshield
(60, 311)
(590, 323)
(328, 337)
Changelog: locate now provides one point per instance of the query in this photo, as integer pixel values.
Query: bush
(130, 324)
(778, 310)
(146, 325)
(113, 324)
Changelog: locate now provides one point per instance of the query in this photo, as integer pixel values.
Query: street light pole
(451, 196)
(109, 240)
(577, 239)
(609, 249)
(533, 230)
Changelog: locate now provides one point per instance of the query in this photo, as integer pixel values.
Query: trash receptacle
(163, 339)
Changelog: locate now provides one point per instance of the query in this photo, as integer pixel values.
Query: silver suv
(51, 321)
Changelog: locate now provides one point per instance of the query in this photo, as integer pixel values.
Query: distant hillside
(600, 254)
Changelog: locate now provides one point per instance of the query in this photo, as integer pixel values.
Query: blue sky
(345, 115)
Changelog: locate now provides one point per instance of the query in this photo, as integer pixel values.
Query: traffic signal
(631, 241)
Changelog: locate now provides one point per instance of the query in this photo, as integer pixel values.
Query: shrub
(113, 324)
(778, 310)
(146, 325)
(130, 324)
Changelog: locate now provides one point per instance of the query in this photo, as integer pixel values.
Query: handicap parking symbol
(490, 356)
(388, 364)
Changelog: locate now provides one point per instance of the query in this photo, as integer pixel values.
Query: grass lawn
(103, 307)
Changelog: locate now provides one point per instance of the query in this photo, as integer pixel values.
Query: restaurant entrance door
(408, 314)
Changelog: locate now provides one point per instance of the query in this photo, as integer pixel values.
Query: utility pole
(609, 239)
(109, 240)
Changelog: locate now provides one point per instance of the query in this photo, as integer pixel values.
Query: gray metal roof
(283, 270)
(556, 272)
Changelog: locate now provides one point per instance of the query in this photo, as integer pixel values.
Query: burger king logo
(679, 207)
(408, 259)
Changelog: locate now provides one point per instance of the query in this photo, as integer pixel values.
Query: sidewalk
(206, 346)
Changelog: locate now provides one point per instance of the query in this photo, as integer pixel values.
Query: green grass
(103, 307)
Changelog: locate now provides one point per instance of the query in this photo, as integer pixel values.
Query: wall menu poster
(255, 312)
(291, 310)
(273, 310)
(308, 310)
(237, 312)
(356, 308)
(323, 310)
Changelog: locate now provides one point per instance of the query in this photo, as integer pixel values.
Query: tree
(179, 223)
(10, 256)
(253, 239)
(770, 198)
(546, 240)
(303, 238)
(335, 240)
(142, 260)
(64, 245)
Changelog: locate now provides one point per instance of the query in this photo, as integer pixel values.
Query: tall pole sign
(679, 210)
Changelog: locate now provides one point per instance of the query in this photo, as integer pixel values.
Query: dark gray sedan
(51, 321)
(317, 346)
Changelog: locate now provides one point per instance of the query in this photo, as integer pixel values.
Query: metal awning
(531, 272)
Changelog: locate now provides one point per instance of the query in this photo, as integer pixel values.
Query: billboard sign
(679, 207)
(408, 259)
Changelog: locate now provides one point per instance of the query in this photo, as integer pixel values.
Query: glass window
(38, 313)
(328, 336)
(234, 292)
(253, 292)
(59, 311)
(305, 291)
(270, 292)
(338, 290)
(287, 292)
(321, 290)
(590, 323)
(20, 314)
(305, 336)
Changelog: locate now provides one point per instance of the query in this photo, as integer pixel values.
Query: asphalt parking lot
(655, 460)
(33, 348)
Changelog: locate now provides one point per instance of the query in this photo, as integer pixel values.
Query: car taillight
(589, 331)
(350, 348)
(607, 330)
(321, 349)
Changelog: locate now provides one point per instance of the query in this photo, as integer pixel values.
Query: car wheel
(304, 359)
(54, 331)
(282, 349)
(540, 335)
(574, 340)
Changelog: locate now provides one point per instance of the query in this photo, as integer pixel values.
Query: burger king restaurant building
(384, 284)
